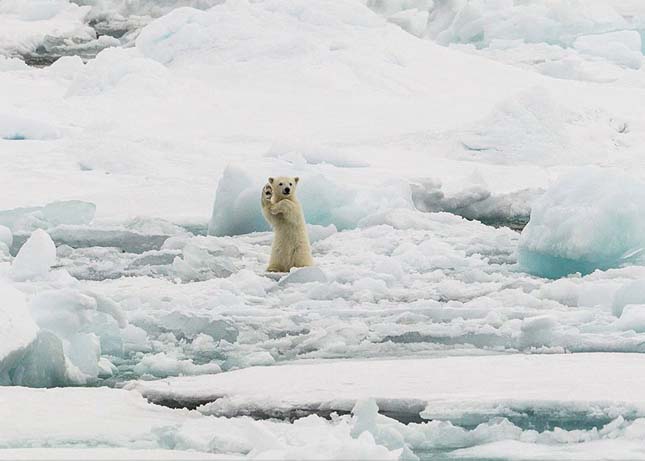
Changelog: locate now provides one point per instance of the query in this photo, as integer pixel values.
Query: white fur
(283, 212)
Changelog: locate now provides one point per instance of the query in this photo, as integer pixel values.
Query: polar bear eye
(290, 184)
(280, 184)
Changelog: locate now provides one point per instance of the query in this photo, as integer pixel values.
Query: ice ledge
(465, 390)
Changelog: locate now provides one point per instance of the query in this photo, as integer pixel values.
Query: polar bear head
(284, 187)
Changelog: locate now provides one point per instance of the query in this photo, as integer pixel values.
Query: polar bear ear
(270, 180)
(296, 179)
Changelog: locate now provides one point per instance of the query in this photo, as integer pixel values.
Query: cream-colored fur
(283, 212)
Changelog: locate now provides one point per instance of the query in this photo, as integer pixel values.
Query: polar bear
(283, 212)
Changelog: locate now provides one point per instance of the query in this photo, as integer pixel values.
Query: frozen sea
(473, 179)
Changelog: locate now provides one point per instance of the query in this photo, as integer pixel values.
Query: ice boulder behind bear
(589, 219)
(326, 201)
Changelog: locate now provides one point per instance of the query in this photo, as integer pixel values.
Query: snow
(16, 128)
(588, 220)
(141, 153)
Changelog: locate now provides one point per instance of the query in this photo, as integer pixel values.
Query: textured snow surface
(403, 283)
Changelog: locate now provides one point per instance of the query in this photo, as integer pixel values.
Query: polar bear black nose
(287, 190)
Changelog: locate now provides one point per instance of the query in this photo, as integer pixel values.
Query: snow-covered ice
(133, 249)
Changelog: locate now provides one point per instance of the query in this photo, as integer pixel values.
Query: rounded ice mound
(589, 219)
(36, 257)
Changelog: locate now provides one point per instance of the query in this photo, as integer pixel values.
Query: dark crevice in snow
(537, 419)
(408, 416)
(54, 48)
(516, 223)
(476, 203)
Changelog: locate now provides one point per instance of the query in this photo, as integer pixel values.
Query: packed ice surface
(590, 219)
(16, 128)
